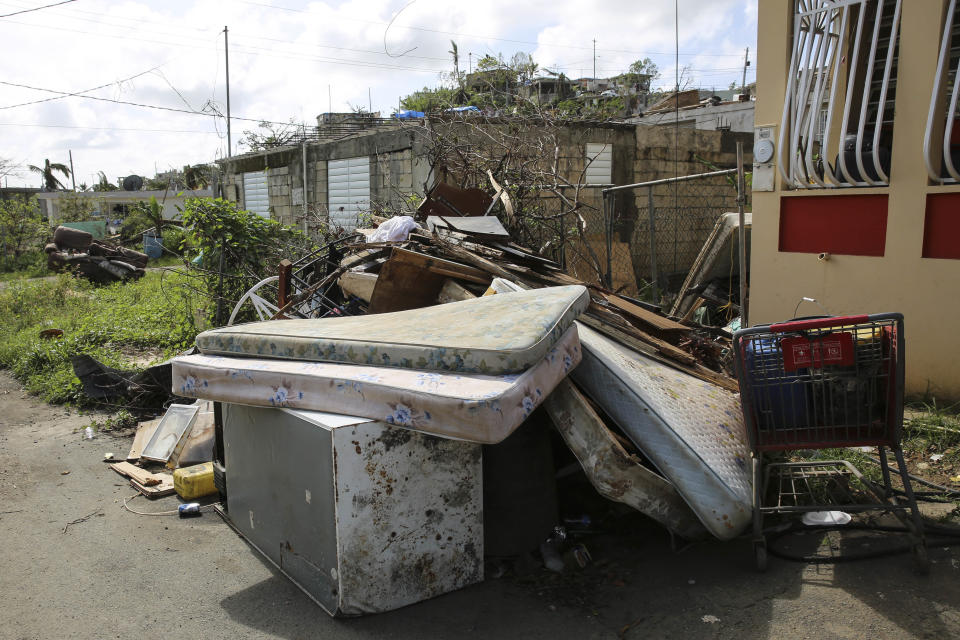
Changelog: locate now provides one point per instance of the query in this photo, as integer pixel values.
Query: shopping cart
(820, 383)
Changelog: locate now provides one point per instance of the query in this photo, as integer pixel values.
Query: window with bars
(837, 124)
(941, 145)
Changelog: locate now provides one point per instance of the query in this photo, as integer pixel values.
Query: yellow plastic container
(194, 482)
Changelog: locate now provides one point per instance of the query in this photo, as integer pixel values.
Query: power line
(77, 93)
(481, 37)
(248, 50)
(137, 104)
(70, 126)
(46, 6)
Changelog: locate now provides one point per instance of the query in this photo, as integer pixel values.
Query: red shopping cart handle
(818, 323)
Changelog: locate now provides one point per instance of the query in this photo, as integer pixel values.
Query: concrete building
(113, 205)
(708, 116)
(856, 191)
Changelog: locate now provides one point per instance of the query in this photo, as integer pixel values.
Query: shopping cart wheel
(920, 560)
(760, 555)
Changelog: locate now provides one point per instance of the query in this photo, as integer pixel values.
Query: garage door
(255, 196)
(348, 190)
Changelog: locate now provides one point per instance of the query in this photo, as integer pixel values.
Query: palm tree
(50, 181)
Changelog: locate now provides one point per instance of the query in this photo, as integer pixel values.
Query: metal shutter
(600, 170)
(348, 190)
(255, 197)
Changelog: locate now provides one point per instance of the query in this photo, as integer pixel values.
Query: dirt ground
(114, 574)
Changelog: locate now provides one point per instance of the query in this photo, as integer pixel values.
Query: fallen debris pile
(96, 260)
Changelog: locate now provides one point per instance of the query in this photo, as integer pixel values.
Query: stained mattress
(492, 335)
(692, 431)
(476, 407)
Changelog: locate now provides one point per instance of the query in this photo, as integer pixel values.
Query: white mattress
(691, 430)
(477, 408)
(488, 335)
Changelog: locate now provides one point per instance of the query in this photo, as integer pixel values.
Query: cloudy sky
(296, 59)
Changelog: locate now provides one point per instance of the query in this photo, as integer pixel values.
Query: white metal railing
(932, 148)
(828, 38)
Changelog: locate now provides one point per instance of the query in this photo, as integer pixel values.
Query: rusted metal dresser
(362, 516)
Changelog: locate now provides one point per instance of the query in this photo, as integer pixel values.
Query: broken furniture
(364, 517)
(97, 260)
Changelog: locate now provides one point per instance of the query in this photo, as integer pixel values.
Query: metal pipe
(305, 228)
(741, 200)
(652, 215)
(865, 98)
(851, 80)
(226, 58)
(788, 108)
(838, 59)
(823, 66)
(654, 183)
(881, 105)
(608, 210)
(935, 94)
(948, 132)
(810, 55)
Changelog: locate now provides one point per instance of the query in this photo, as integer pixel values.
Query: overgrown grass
(30, 265)
(155, 312)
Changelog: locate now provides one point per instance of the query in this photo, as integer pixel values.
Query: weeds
(154, 312)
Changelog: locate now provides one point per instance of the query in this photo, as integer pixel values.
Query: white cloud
(282, 62)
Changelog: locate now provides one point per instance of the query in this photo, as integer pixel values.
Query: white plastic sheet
(394, 230)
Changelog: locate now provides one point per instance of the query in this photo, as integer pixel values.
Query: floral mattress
(491, 335)
(475, 407)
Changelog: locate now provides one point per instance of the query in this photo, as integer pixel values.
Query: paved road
(119, 575)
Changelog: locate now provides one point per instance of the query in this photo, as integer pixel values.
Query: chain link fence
(653, 231)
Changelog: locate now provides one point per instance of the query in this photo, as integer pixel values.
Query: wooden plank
(440, 266)
(667, 349)
(144, 433)
(133, 472)
(453, 292)
(163, 488)
(401, 286)
(614, 473)
(656, 321)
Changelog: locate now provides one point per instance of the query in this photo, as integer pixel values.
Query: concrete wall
(900, 280)
(735, 116)
(398, 168)
(105, 201)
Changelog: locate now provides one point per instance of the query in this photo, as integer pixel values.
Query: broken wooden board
(410, 280)
(163, 488)
(609, 318)
(144, 433)
(614, 473)
(440, 266)
(645, 317)
(142, 476)
(359, 284)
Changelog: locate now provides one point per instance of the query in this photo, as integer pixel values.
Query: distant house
(114, 205)
(707, 114)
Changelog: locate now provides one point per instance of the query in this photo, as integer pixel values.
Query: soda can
(189, 510)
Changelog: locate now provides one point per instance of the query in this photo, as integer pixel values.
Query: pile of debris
(172, 454)
(97, 260)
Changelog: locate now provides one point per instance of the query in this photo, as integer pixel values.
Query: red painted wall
(854, 225)
(941, 226)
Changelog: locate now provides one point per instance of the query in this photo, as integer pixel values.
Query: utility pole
(369, 100)
(594, 58)
(73, 178)
(329, 99)
(226, 58)
(746, 63)
(470, 60)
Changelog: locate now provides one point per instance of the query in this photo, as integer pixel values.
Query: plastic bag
(394, 230)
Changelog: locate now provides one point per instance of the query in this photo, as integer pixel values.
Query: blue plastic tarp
(407, 115)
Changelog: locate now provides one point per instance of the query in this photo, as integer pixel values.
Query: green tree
(48, 171)
(75, 207)
(103, 184)
(22, 230)
(641, 72)
(428, 99)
